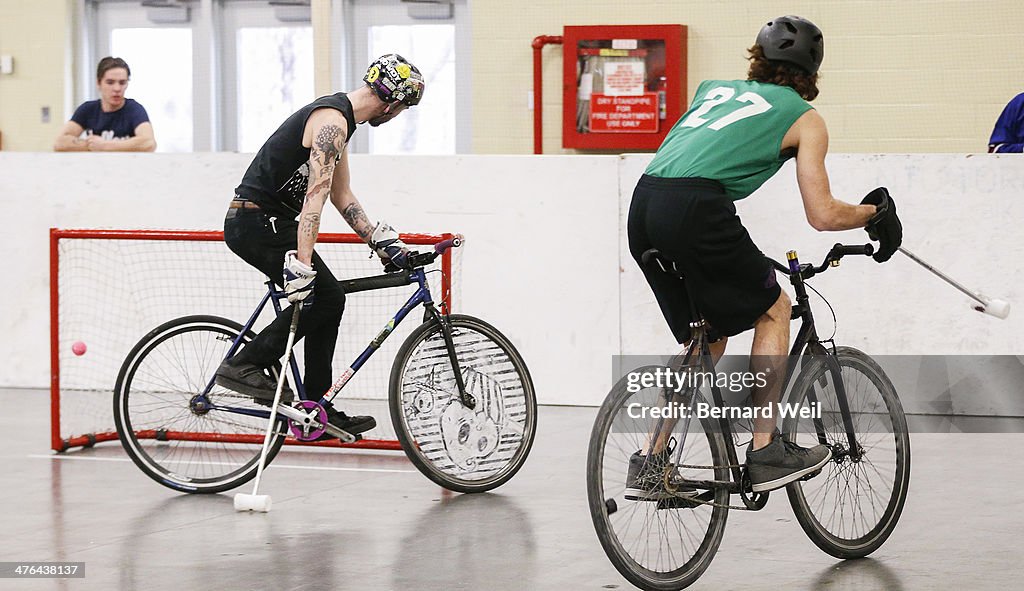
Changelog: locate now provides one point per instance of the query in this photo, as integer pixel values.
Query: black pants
(262, 241)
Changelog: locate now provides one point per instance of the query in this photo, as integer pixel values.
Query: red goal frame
(60, 444)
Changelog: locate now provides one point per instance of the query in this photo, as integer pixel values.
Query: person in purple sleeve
(1008, 135)
(111, 123)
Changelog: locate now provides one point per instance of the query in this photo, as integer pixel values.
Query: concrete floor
(370, 521)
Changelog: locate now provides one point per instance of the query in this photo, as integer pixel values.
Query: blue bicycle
(460, 397)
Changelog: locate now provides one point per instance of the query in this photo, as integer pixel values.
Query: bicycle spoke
(851, 507)
(196, 448)
(462, 448)
(646, 539)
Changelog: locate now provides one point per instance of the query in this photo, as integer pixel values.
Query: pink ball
(78, 348)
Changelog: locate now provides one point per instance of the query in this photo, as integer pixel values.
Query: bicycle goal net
(109, 288)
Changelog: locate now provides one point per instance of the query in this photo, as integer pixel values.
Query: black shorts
(694, 224)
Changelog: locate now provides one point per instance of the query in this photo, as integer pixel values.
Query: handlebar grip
(858, 249)
(453, 242)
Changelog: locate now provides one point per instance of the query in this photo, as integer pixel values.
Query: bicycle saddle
(666, 265)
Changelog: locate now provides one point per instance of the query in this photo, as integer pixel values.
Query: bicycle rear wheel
(463, 449)
(655, 545)
(178, 437)
(851, 508)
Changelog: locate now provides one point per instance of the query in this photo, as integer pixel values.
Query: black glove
(884, 226)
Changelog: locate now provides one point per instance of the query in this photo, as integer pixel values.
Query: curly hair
(763, 69)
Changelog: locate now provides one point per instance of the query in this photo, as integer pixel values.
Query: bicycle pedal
(811, 475)
(677, 503)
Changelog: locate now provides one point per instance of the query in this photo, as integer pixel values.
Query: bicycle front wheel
(463, 449)
(178, 436)
(851, 508)
(656, 545)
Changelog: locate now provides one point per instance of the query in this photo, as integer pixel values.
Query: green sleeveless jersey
(732, 133)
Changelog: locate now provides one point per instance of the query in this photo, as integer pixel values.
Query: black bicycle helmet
(794, 40)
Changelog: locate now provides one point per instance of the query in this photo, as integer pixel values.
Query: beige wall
(898, 76)
(35, 32)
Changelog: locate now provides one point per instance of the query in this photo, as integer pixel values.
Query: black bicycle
(461, 398)
(848, 510)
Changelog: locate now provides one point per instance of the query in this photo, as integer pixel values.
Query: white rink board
(546, 245)
(524, 220)
(961, 213)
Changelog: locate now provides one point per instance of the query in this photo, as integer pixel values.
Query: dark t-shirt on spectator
(117, 124)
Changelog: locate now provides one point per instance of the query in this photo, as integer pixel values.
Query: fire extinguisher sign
(624, 114)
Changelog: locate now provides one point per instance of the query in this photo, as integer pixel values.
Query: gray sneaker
(251, 380)
(782, 461)
(645, 480)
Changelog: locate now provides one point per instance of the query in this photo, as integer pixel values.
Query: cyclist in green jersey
(734, 137)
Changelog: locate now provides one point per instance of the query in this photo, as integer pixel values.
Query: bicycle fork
(467, 399)
(853, 451)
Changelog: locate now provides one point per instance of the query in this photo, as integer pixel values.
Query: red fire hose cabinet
(623, 85)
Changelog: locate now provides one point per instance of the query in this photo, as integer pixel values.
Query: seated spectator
(111, 123)
(1008, 135)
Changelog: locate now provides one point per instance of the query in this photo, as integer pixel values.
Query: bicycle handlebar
(395, 277)
(859, 249)
(422, 259)
(453, 242)
(837, 252)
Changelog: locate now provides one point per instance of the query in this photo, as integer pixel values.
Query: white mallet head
(994, 307)
(260, 503)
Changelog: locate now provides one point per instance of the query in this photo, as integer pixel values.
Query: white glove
(298, 278)
(388, 245)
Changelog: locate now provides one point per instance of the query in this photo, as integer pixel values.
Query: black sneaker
(782, 461)
(251, 380)
(645, 480)
(349, 424)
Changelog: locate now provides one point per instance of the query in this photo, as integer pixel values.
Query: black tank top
(279, 174)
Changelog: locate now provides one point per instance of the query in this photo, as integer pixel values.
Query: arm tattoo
(357, 219)
(327, 141)
(323, 184)
(323, 156)
(309, 225)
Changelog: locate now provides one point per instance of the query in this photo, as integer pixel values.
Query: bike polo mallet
(256, 501)
(991, 306)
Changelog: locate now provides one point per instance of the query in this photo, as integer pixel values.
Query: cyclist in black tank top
(274, 220)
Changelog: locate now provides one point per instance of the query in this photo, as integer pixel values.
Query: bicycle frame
(274, 296)
(807, 344)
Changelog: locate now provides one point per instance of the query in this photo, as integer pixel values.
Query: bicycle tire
(879, 478)
(463, 450)
(172, 443)
(623, 527)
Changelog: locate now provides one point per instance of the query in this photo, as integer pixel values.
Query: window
(275, 78)
(430, 127)
(436, 44)
(267, 72)
(161, 63)
(223, 74)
